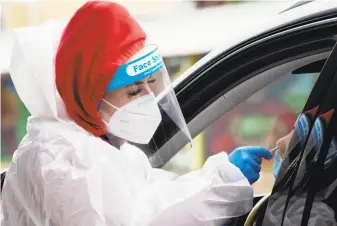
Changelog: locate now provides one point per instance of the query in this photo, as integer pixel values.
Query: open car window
(305, 188)
(262, 119)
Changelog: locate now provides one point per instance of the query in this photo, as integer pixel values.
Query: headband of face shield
(138, 97)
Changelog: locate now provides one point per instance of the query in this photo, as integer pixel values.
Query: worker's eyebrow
(136, 83)
(140, 82)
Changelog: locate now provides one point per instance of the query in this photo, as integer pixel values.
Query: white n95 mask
(136, 121)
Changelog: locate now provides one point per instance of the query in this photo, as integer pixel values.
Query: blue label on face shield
(277, 163)
(137, 70)
(302, 128)
(318, 138)
(318, 133)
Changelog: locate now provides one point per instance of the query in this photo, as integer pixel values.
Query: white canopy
(200, 31)
(6, 42)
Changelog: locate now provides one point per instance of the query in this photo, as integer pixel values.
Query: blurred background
(185, 31)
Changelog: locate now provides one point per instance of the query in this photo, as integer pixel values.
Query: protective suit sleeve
(213, 195)
(108, 194)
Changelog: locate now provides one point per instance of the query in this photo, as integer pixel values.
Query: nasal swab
(274, 149)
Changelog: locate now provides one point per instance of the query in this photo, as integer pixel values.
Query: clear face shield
(140, 106)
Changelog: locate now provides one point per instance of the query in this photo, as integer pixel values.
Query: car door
(214, 88)
(229, 90)
(304, 192)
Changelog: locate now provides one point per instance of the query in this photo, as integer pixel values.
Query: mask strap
(110, 104)
(117, 108)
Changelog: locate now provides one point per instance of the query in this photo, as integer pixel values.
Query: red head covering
(99, 38)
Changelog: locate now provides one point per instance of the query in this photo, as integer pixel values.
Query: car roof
(244, 34)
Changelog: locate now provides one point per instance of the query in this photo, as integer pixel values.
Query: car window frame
(284, 185)
(224, 73)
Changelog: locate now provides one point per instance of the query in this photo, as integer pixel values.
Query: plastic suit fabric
(63, 175)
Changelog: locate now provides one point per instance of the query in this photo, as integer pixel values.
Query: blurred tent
(6, 42)
(178, 28)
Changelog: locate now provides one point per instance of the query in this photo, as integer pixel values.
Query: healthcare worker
(96, 95)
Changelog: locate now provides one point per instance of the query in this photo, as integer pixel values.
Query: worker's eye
(151, 80)
(135, 92)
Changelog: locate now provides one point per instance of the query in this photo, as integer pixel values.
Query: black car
(294, 52)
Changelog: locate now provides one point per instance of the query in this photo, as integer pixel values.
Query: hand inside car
(248, 159)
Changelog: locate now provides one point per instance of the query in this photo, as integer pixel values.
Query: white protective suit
(63, 176)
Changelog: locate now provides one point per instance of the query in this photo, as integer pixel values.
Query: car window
(262, 119)
(304, 192)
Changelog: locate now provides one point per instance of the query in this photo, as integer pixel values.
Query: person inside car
(323, 207)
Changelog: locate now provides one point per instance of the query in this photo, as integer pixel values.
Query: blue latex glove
(248, 159)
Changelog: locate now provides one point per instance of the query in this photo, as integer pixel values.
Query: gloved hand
(248, 159)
